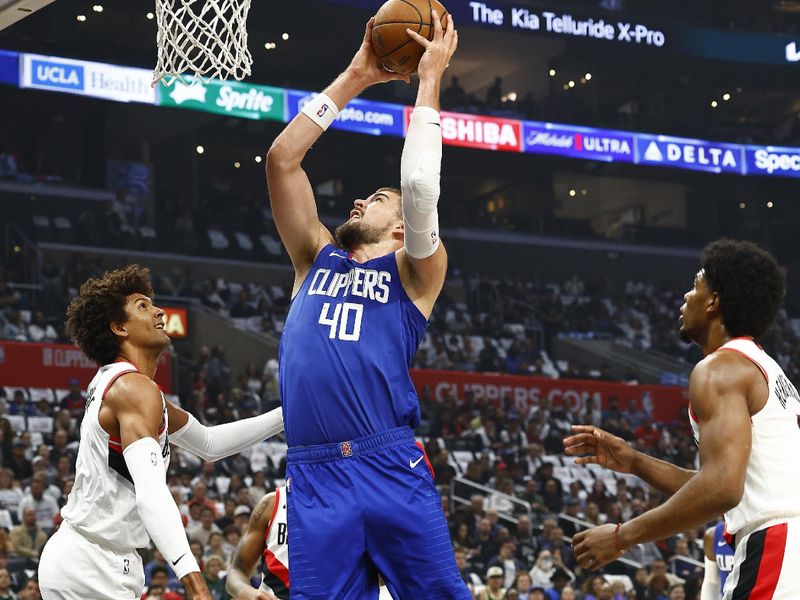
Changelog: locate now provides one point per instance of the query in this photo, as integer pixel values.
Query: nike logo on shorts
(414, 463)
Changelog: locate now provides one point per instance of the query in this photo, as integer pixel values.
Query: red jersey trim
(751, 359)
(276, 567)
(427, 462)
(272, 518)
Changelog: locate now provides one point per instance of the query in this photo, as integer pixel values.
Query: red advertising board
(665, 402)
(476, 131)
(30, 364)
(177, 323)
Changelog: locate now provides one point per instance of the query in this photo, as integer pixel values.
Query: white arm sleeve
(710, 589)
(214, 443)
(156, 506)
(420, 167)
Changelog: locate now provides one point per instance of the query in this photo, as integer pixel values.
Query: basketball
(399, 52)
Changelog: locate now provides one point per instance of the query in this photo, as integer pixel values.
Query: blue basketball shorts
(365, 507)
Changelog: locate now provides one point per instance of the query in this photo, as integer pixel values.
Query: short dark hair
(750, 284)
(159, 569)
(100, 302)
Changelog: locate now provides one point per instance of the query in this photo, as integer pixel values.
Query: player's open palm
(438, 51)
(593, 445)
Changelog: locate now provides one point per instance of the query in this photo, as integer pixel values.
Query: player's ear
(398, 231)
(118, 329)
(713, 303)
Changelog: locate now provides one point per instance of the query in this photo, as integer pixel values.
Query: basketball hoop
(206, 38)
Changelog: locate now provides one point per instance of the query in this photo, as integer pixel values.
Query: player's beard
(354, 233)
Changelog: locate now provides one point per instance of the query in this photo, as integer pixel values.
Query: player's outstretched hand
(599, 447)
(254, 594)
(438, 51)
(367, 66)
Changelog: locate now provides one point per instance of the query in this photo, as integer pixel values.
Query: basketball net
(206, 38)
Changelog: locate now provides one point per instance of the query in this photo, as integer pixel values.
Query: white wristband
(322, 110)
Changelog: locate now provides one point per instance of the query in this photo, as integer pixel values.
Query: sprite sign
(232, 98)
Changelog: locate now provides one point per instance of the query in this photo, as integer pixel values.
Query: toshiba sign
(177, 322)
(476, 131)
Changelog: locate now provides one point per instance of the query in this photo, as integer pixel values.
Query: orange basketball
(399, 52)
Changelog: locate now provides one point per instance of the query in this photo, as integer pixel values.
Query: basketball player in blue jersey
(718, 562)
(360, 492)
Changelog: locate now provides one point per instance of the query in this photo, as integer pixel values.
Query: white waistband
(764, 523)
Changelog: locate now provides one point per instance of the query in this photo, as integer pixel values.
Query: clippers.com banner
(666, 403)
(29, 364)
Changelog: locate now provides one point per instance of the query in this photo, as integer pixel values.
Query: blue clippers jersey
(346, 347)
(723, 554)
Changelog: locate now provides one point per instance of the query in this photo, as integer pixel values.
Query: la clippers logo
(347, 449)
(322, 110)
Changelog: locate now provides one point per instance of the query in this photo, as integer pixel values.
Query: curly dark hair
(750, 284)
(100, 302)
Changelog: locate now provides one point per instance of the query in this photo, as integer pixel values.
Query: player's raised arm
(291, 196)
(423, 261)
(136, 405)
(249, 551)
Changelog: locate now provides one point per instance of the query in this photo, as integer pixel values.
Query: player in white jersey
(266, 539)
(744, 413)
(120, 499)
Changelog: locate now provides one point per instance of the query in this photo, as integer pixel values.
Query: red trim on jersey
(425, 454)
(771, 562)
(751, 359)
(272, 518)
(727, 536)
(113, 379)
(276, 567)
(693, 416)
(115, 444)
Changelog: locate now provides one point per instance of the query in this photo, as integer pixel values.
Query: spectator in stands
(454, 95)
(75, 400)
(657, 587)
(159, 581)
(203, 531)
(20, 466)
(6, 593)
(506, 560)
(8, 298)
(215, 584)
(158, 561)
(6, 545)
(593, 587)
(19, 405)
(40, 330)
(29, 538)
(200, 490)
(494, 589)
(45, 507)
(494, 95)
(559, 578)
(10, 492)
(14, 327)
(31, 590)
(64, 422)
(562, 551)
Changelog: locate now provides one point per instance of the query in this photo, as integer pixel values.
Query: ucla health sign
(363, 116)
(98, 80)
(578, 142)
(231, 98)
(685, 153)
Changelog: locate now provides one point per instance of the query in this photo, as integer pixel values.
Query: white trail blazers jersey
(772, 484)
(275, 564)
(102, 503)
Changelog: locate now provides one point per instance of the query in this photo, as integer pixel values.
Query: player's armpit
(251, 546)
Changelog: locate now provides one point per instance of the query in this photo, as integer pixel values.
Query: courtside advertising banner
(772, 160)
(579, 142)
(98, 80)
(362, 116)
(31, 364)
(694, 155)
(477, 131)
(663, 403)
(231, 98)
(9, 67)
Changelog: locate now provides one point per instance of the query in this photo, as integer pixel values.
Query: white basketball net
(207, 38)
